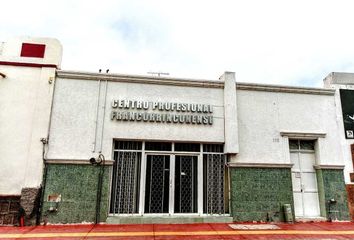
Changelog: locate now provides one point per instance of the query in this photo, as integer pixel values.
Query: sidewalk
(323, 230)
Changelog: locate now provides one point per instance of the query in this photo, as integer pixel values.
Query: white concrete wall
(11, 51)
(25, 103)
(74, 114)
(230, 112)
(263, 115)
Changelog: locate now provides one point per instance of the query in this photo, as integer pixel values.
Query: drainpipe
(44, 181)
(101, 164)
(104, 114)
(45, 167)
(100, 161)
(97, 108)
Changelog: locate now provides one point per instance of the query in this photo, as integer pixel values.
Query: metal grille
(158, 146)
(127, 145)
(126, 182)
(214, 183)
(213, 148)
(186, 184)
(187, 147)
(157, 184)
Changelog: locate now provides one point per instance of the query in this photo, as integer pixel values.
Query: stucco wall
(263, 115)
(73, 125)
(25, 103)
(11, 50)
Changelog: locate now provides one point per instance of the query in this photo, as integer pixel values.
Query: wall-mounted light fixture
(97, 160)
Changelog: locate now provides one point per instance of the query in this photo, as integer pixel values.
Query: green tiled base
(258, 194)
(77, 185)
(331, 186)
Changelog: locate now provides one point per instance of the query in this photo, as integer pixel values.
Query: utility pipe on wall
(97, 108)
(104, 115)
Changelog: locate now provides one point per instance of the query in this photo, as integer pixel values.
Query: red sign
(32, 50)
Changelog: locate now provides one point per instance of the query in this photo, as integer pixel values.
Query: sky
(288, 42)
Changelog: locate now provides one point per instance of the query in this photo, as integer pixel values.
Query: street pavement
(313, 230)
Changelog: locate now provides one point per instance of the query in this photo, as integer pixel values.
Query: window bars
(125, 191)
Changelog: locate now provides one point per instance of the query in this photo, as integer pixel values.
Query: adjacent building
(139, 149)
(27, 76)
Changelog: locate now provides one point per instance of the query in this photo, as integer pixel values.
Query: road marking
(194, 233)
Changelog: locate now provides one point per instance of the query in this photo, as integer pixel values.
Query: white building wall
(73, 125)
(25, 103)
(263, 115)
(11, 51)
(230, 113)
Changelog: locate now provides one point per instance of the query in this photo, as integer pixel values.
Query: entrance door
(157, 184)
(168, 178)
(186, 176)
(306, 202)
(181, 184)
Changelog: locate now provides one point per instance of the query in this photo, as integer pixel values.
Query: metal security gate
(157, 184)
(125, 182)
(186, 184)
(215, 178)
(169, 178)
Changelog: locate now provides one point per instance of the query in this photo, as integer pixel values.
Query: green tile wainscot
(331, 185)
(77, 185)
(258, 194)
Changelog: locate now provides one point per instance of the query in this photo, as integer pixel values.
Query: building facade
(343, 83)
(136, 149)
(27, 75)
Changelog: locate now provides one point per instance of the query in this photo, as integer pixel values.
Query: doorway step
(310, 219)
(168, 219)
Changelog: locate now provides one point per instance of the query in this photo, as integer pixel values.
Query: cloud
(279, 42)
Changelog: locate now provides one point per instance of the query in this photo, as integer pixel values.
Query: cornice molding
(28, 64)
(75, 161)
(303, 135)
(284, 89)
(322, 166)
(140, 79)
(261, 165)
(78, 75)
